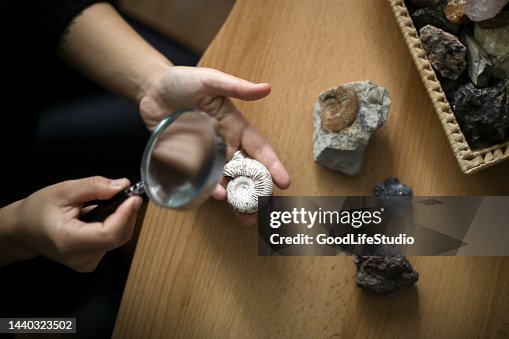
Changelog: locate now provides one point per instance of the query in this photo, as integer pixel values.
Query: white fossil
(250, 179)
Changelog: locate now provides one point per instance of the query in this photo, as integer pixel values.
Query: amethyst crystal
(478, 10)
(445, 52)
(483, 113)
(384, 275)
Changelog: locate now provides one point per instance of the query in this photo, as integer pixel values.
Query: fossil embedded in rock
(249, 180)
(344, 150)
(338, 109)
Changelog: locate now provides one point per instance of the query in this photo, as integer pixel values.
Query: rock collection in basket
(467, 43)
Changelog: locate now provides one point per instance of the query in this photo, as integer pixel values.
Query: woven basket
(469, 160)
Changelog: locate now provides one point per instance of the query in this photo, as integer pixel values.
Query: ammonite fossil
(338, 109)
(249, 179)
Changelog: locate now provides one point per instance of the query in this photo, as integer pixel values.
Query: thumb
(92, 188)
(222, 84)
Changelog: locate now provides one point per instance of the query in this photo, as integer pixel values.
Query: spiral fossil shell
(339, 109)
(250, 179)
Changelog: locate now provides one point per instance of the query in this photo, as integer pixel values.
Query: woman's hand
(210, 91)
(46, 223)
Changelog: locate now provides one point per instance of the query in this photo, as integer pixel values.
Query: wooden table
(197, 274)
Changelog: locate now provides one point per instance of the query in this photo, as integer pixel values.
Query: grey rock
(444, 50)
(493, 35)
(344, 150)
(479, 61)
(386, 275)
(483, 113)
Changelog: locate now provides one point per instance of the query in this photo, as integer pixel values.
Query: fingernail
(118, 182)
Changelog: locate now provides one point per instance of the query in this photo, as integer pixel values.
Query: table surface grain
(197, 274)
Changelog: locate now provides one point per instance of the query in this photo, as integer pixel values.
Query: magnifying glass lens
(184, 161)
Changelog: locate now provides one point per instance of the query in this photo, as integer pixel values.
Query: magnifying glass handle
(108, 207)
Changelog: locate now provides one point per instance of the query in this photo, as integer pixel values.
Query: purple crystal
(478, 10)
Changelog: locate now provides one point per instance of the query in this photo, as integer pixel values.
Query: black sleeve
(49, 19)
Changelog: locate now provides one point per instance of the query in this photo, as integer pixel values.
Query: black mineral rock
(392, 187)
(483, 113)
(384, 275)
(433, 15)
(383, 269)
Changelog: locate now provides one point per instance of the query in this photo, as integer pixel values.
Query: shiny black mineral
(384, 275)
(383, 269)
(392, 187)
(483, 113)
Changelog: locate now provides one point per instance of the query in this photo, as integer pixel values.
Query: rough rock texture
(434, 15)
(478, 10)
(479, 62)
(392, 187)
(483, 113)
(454, 10)
(344, 150)
(383, 274)
(493, 35)
(386, 270)
(445, 52)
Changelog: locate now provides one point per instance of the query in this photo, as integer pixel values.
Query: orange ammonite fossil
(338, 109)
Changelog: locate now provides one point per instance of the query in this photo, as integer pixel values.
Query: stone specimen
(479, 62)
(478, 10)
(493, 35)
(344, 120)
(249, 180)
(444, 50)
(385, 275)
(386, 270)
(483, 113)
(454, 10)
(392, 187)
(434, 15)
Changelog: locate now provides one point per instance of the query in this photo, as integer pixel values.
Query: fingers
(91, 188)
(115, 231)
(222, 84)
(257, 148)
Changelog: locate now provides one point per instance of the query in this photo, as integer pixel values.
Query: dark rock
(383, 274)
(433, 15)
(422, 3)
(392, 187)
(444, 50)
(483, 113)
(450, 86)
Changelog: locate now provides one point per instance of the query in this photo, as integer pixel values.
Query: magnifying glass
(181, 165)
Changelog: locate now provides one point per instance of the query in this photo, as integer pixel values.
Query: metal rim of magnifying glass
(205, 188)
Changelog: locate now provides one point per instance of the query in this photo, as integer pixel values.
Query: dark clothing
(57, 125)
